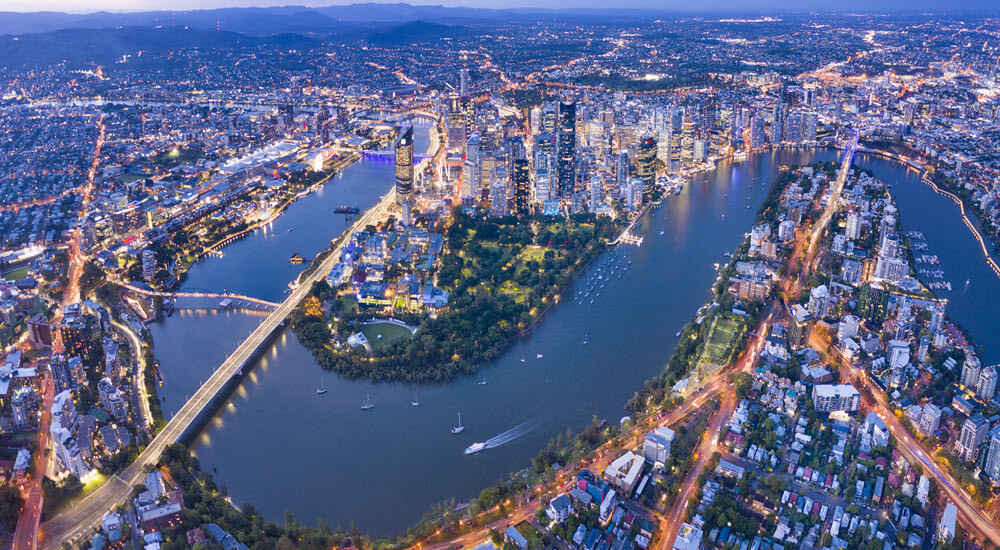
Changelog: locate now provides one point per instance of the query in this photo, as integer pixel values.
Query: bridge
(195, 293)
(392, 154)
(75, 523)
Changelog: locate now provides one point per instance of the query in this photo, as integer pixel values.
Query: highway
(78, 520)
(145, 417)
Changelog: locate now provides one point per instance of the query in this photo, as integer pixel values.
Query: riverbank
(501, 275)
(948, 187)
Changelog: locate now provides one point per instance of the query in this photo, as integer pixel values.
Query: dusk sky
(78, 6)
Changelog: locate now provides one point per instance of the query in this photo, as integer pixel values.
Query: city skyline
(685, 282)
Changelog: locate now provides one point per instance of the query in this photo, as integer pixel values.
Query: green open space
(390, 332)
(16, 274)
(720, 341)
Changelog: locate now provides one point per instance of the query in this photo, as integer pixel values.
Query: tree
(742, 383)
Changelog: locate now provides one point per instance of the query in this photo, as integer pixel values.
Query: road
(970, 515)
(145, 417)
(709, 444)
(26, 535)
(78, 520)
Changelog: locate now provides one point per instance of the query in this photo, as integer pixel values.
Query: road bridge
(76, 522)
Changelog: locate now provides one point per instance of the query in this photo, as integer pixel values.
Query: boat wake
(505, 437)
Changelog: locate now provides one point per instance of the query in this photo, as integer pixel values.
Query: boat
(585, 339)
(661, 232)
(322, 386)
(367, 404)
(678, 333)
(415, 403)
(475, 448)
(458, 429)
(483, 381)
(677, 190)
(539, 356)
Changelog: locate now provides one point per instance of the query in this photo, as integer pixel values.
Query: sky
(83, 6)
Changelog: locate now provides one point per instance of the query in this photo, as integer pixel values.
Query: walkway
(199, 294)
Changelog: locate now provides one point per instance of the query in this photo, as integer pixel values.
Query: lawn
(720, 340)
(16, 275)
(389, 332)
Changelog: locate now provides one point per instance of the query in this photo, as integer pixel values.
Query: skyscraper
(973, 434)
(992, 466)
(929, 419)
(404, 165)
(757, 132)
(987, 384)
(622, 169)
(645, 167)
(970, 371)
(567, 149)
(521, 188)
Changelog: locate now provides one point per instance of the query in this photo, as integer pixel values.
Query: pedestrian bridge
(239, 300)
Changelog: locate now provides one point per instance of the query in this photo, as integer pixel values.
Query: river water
(280, 446)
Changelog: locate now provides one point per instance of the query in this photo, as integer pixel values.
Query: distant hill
(300, 19)
(242, 20)
(414, 32)
(103, 46)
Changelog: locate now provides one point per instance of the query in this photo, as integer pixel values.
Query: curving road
(77, 521)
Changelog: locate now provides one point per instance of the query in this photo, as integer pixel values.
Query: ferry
(475, 448)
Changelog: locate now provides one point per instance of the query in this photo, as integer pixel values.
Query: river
(280, 446)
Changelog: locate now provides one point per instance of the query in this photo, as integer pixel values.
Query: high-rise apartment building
(404, 165)
(645, 166)
(520, 183)
(567, 149)
(973, 435)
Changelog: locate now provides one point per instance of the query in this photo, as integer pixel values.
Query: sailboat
(483, 381)
(522, 358)
(415, 403)
(367, 404)
(458, 429)
(585, 339)
(322, 386)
